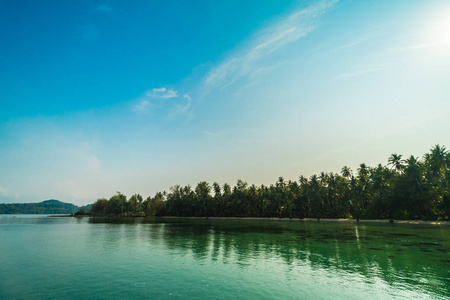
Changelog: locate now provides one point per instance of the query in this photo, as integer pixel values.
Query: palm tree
(438, 159)
(226, 196)
(363, 185)
(134, 204)
(303, 202)
(396, 162)
(346, 172)
(437, 164)
(302, 180)
(252, 203)
(202, 191)
(315, 196)
(280, 182)
(363, 171)
(217, 200)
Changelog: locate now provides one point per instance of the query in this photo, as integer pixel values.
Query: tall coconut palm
(346, 172)
(437, 160)
(363, 185)
(315, 196)
(202, 190)
(217, 206)
(395, 160)
(437, 164)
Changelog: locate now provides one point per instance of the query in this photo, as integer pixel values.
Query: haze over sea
(137, 258)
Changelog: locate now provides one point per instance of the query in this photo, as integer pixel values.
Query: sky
(104, 96)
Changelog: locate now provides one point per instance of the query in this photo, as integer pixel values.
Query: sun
(438, 30)
(442, 30)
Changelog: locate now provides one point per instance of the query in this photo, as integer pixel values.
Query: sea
(48, 257)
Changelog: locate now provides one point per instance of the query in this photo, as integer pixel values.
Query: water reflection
(31, 220)
(400, 255)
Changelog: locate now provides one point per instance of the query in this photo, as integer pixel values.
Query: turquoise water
(90, 258)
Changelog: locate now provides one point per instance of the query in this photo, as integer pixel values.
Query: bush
(401, 215)
(81, 212)
(368, 213)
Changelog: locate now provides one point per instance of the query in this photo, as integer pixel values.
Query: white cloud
(246, 61)
(161, 93)
(141, 106)
(182, 108)
(153, 98)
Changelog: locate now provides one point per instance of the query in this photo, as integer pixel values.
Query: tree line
(45, 207)
(411, 188)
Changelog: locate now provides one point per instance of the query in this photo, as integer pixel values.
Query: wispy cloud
(349, 45)
(412, 47)
(210, 133)
(161, 93)
(157, 99)
(142, 106)
(361, 72)
(153, 98)
(263, 70)
(104, 8)
(182, 108)
(245, 62)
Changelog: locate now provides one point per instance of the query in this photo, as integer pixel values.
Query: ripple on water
(216, 260)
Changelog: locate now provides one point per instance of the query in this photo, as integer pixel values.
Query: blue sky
(106, 96)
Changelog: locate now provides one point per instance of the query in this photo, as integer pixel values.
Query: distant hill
(45, 207)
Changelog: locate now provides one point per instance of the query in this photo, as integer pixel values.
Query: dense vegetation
(45, 207)
(409, 188)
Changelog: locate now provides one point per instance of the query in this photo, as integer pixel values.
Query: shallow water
(93, 258)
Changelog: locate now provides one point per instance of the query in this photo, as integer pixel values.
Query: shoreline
(418, 222)
(436, 222)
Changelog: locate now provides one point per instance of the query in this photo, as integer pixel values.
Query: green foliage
(45, 207)
(82, 212)
(405, 189)
(401, 215)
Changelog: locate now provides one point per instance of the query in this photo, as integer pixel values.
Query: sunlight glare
(439, 29)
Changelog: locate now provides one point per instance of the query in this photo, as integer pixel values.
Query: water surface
(86, 258)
